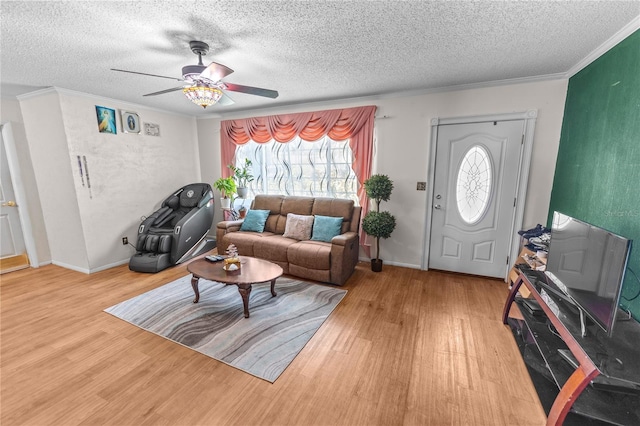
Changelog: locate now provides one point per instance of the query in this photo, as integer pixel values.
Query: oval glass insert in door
(473, 185)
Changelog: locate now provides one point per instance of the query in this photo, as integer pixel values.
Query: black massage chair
(177, 231)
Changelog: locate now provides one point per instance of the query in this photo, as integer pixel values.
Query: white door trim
(20, 193)
(529, 118)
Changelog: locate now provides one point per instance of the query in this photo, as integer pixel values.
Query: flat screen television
(588, 264)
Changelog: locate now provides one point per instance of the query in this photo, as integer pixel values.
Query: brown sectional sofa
(332, 262)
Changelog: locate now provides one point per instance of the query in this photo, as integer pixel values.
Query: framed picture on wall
(151, 129)
(130, 122)
(106, 120)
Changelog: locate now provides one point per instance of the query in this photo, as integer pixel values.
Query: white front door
(12, 246)
(474, 191)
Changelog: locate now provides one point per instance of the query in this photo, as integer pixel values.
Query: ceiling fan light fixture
(202, 84)
(202, 95)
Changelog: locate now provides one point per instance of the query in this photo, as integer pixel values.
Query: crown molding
(36, 93)
(484, 84)
(96, 98)
(625, 32)
(212, 116)
(319, 104)
(355, 101)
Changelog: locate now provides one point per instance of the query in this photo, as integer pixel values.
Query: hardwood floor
(404, 347)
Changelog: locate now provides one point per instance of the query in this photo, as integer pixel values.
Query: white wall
(403, 141)
(130, 174)
(209, 143)
(48, 147)
(10, 112)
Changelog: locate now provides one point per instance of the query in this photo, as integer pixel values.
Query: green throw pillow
(325, 228)
(255, 220)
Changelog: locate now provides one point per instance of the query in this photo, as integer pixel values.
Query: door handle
(9, 204)
(437, 207)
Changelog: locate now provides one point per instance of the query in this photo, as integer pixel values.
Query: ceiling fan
(203, 85)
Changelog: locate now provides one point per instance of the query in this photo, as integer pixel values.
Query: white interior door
(12, 245)
(474, 191)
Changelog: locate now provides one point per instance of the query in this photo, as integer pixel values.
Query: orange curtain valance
(338, 124)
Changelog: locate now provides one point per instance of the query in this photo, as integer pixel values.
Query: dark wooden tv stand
(540, 336)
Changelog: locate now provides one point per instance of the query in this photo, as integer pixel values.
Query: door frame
(20, 193)
(529, 118)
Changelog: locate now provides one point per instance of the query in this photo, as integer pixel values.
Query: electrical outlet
(125, 241)
(422, 186)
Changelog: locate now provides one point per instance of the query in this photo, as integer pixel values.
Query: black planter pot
(376, 265)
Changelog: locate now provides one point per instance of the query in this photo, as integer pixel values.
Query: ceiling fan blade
(150, 75)
(251, 90)
(225, 100)
(164, 91)
(215, 72)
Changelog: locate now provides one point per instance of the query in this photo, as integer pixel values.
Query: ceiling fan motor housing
(192, 72)
(199, 47)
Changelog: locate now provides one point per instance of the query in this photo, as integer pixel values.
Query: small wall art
(106, 120)
(130, 122)
(151, 129)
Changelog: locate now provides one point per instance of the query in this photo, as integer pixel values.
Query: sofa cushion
(326, 227)
(335, 207)
(273, 203)
(322, 275)
(273, 248)
(298, 227)
(310, 254)
(295, 205)
(255, 220)
(244, 241)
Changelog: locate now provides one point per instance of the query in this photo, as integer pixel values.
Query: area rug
(262, 345)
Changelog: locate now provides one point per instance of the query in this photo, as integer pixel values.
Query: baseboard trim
(403, 265)
(90, 270)
(72, 267)
(109, 266)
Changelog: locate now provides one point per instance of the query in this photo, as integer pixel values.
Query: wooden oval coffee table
(253, 271)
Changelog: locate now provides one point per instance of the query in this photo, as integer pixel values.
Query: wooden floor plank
(404, 347)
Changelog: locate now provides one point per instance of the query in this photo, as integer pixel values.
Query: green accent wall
(597, 177)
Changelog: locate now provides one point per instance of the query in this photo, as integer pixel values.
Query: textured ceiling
(308, 51)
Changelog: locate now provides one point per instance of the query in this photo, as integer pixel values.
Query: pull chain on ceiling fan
(203, 85)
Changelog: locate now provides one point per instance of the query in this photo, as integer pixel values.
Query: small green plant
(242, 175)
(226, 186)
(376, 223)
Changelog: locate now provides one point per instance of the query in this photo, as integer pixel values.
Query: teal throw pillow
(326, 227)
(255, 220)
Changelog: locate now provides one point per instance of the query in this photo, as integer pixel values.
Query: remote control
(213, 258)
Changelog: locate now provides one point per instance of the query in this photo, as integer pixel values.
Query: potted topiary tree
(376, 223)
(227, 187)
(242, 176)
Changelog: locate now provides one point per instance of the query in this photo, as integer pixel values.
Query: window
(473, 186)
(318, 169)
